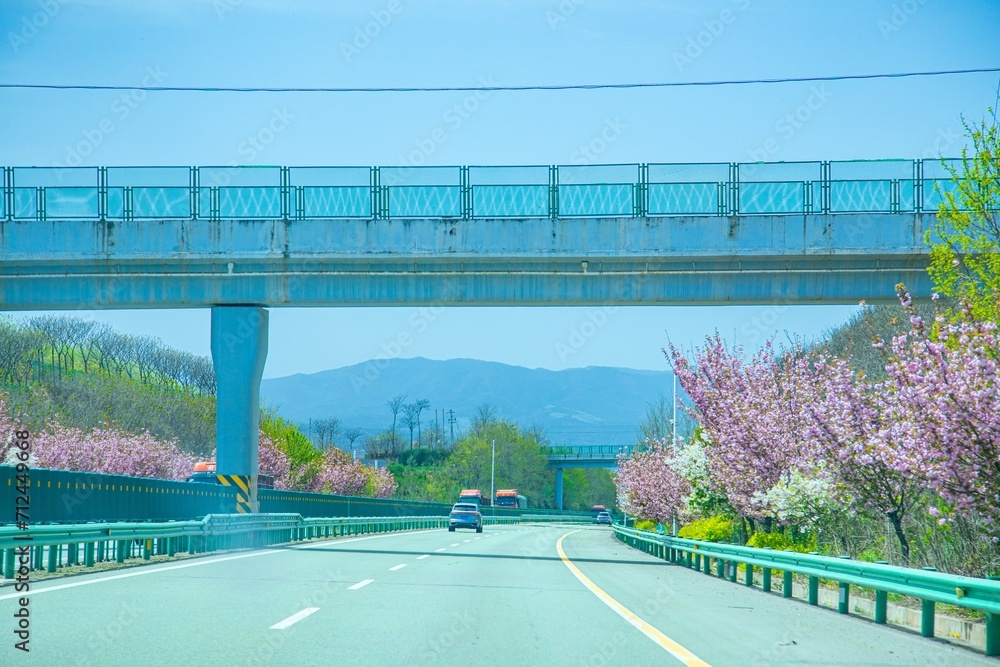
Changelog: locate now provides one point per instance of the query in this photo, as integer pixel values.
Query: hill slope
(584, 406)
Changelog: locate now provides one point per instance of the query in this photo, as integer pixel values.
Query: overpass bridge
(241, 239)
(586, 456)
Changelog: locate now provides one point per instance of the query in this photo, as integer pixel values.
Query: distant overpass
(587, 456)
(241, 239)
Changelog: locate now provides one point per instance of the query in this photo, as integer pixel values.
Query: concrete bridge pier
(559, 488)
(239, 349)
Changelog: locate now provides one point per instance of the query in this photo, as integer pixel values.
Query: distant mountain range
(581, 406)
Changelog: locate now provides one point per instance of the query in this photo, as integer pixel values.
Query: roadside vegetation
(96, 400)
(881, 442)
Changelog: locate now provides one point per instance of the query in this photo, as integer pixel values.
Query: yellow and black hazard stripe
(242, 484)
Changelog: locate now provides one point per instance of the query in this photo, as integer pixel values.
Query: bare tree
(411, 415)
(658, 422)
(486, 414)
(421, 405)
(395, 404)
(326, 430)
(351, 435)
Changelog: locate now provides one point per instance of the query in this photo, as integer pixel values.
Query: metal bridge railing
(476, 192)
(609, 452)
(928, 585)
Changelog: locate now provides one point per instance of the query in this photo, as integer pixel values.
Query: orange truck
(510, 498)
(474, 496)
(204, 471)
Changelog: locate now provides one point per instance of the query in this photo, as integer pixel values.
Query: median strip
(665, 642)
(294, 618)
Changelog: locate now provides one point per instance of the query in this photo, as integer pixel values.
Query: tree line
(46, 348)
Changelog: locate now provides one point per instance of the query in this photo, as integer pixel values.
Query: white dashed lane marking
(294, 618)
(360, 584)
(398, 567)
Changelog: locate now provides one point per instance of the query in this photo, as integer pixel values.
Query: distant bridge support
(239, 349)
(559, 488)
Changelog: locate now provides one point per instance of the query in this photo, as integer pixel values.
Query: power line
(466, 89)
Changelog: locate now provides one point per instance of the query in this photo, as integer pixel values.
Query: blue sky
(405, 43)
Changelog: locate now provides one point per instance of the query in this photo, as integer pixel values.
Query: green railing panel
(632, 190)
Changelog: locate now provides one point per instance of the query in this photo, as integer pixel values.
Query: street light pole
(674, 429)
(493, 465)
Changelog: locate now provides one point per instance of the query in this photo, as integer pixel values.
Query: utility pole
(451, 420)
(493, 464)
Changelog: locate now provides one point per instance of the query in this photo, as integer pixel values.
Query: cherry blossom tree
(648, 486)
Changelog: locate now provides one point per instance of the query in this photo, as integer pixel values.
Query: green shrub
(782, 542)
(645, 524)
(712, 529)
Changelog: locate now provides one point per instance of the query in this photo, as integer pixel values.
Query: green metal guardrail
(556, 518)
(51, 547)
(67, 496)
(927, 584)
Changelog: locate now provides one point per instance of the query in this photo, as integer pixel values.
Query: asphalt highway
(515, 595)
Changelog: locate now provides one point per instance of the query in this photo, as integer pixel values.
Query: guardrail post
(53, 557)
(707, 565)
(786, 584)
(120, 551)
(927, 613)
(101, 551)
(88, 554)
(8, 563)
(147, 549)
(766, 579)
(720, 568)
(843, 598)
(748, 575)
(813, 598)
(697, 561)
(733, 570)
(992, 634)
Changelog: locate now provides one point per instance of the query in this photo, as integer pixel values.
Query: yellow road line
(665, 642)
